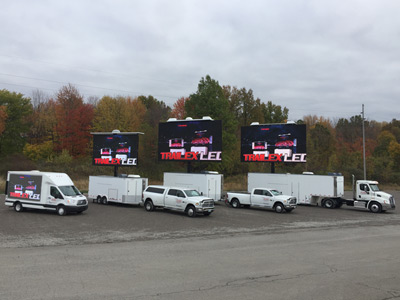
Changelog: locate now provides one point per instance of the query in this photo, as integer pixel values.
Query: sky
(314, 57)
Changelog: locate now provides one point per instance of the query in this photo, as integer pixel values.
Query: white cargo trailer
(307, 188)
(210, 183)
(124, 189)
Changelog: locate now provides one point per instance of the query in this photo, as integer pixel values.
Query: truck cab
(368, 195)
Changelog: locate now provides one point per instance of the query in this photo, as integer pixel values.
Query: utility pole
(363, 131)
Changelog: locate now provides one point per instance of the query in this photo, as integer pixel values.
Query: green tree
(17, 109)
(210, 100)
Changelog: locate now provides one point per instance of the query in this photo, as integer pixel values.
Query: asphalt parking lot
(124, 223)
(124, 252)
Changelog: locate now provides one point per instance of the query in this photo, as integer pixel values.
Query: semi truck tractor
(326, 190)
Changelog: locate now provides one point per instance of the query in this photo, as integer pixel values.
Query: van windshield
(69, 190)
(192, 193)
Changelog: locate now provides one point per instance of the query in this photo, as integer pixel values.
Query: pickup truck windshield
(69, 190)
(192, 193)
(275, 192)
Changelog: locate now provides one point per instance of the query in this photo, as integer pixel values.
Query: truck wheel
(329, 203)
(61, 211)
(104, 200)
(289, 209)
(98, 199)
(191, 211)
(279, 208)
(148, 205)
(235, 203)
(375, 207)
(18, 207)
(207, 213)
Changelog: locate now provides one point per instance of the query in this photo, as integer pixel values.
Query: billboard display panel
(273, 143)
(197, 140)
(26, 187)
(115, 149)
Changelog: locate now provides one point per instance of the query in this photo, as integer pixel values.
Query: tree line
(49, 131)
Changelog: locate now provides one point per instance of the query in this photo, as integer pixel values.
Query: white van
(43, 190)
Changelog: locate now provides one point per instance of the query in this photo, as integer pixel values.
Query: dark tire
(207, 213)
(61, 211)
(104, 200)
(191, 211)
(279, 208)
(79, 212)
(98, 199)
(18, 207)
(235, 203)
(148, 205)
(289, 209)
(329, 203)
(375, 207)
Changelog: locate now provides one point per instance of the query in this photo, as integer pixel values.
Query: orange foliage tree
(74, 119)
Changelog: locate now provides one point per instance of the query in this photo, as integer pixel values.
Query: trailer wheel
(235, 203)
(375, 207)
(98, 199)
(329, 203)
(191, 211)
(61, 211)
(18, 207)
(104, 200)
(279, 208)
(148, 205)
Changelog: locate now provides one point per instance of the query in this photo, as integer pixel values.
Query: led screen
(197, 140)
(24, 187)
(273, 143)
(115, 149)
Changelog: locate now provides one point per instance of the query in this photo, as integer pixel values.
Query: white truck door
(260, 198)
(174, 199)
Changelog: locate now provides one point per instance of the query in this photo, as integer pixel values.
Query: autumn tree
(178, 110)
(3, 118)
(74, 119)
(123, 113)
(16, 109)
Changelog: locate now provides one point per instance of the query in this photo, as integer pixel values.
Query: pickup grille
(81, 202)
(208, 204)
(392, 202)
(292, 201)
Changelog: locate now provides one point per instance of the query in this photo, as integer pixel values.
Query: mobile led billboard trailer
(119, 149)
(273, 143)
(194, 140)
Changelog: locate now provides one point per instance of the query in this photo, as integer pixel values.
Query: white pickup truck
(263, 197)
(187, 200)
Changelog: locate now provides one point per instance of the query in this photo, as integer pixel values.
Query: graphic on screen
(190, 141)
(24, 187)
(273, 143)
(115, 149)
